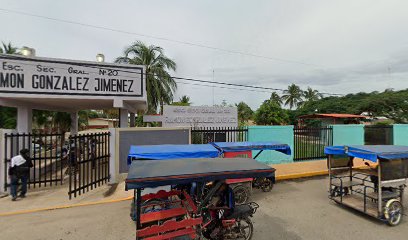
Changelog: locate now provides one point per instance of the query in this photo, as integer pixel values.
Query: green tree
(61, 121)
(292, 96)
(8, 116)
(58, 121)
(311, 95)
(244, 112)
(92, 114)
(112, 113)
(41, 119)
(160, 85)
(276, 98)
(8, 48)
(393, 105)
(390, 104)
(270, 113)
(183, 101)
(83, 119)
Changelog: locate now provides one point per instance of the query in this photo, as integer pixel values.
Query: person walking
(20, 170)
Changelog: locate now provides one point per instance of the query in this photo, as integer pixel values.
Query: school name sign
(21, 75)
(201, 116)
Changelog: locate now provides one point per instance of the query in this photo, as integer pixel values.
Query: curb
(278, 178)
(301, 175)
(63, 207)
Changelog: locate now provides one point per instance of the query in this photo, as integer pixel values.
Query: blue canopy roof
(149, 173)
(164, 152)
(248, 146)
(369, 152)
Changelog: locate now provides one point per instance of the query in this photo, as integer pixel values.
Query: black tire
(393, 212)
(266, 185)
(336, 192)
(152, 202)
(241, 194)
(152, 205)
(246, 228)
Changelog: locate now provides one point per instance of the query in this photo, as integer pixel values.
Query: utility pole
(213, 89)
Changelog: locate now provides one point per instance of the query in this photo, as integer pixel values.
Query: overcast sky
(342, 46)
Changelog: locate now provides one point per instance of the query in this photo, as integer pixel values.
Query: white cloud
(354, 45)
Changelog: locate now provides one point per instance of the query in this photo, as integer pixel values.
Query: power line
(269, 89)
(245, 86)
(211, 86)
(161, 38)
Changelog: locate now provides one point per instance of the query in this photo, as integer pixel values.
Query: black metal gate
(310, 142)
(46, 155)
(218, 134)
(378, 135)
(88, 162)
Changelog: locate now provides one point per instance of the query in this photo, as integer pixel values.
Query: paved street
(293, 210)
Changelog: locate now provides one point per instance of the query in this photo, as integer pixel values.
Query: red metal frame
(190, 202)
(161, 215)
(245, 154)
(170, 229)
(161, 194)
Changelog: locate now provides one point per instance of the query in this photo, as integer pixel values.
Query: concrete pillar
(132, 122)
(24, 119)
(3, 174)
(74, 123)
(123, 118)
(113, 159)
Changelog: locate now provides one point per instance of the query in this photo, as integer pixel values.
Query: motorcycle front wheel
(241, 194)
(245, 228)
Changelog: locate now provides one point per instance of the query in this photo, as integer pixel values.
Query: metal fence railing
(218, 134)
(309, 142)
(46, 155)
(88, 162)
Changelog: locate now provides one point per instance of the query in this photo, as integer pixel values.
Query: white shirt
(17, 161)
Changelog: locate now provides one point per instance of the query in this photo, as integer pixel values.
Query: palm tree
(276, 98)
(160, 85)
(8, 48)
(311, 95)
(185, 100)
(244, 112)
(292, 96)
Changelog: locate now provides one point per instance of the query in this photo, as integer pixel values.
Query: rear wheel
(153, 205)
(266, 185)
(241, 194)
(393, 212)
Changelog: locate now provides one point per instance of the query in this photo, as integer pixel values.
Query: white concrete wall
(24, 119)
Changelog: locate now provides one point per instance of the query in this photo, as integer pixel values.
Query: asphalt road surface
(293, 210)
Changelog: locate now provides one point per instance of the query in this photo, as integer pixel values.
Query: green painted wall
(400, 134)
(349, 134)
(283, 134)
